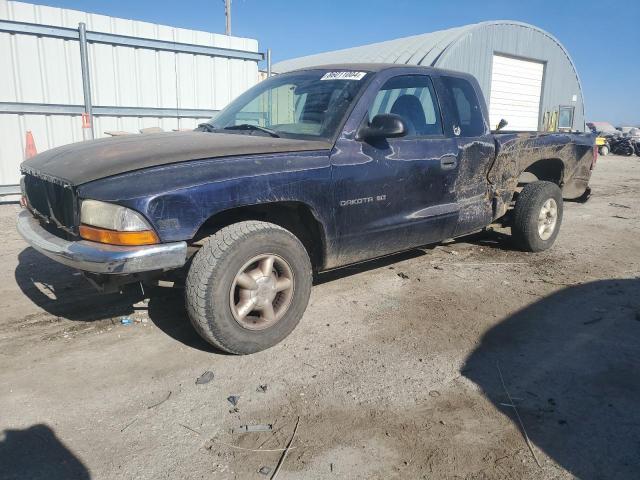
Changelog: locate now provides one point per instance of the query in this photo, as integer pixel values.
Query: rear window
(467, 112)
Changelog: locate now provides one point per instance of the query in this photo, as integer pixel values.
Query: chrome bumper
(98, 257)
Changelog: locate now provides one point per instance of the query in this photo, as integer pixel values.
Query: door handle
(448, 163)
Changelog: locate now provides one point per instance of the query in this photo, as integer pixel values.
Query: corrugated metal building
(527, 76)
(141, 75)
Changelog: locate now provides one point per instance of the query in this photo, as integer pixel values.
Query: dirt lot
(395, 370)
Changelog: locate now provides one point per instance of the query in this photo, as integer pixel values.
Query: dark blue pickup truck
(305, 172)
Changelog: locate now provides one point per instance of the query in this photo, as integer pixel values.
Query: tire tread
(213, 251)
(524, 229)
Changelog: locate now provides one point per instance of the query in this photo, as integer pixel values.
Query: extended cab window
(467, 112)
(411, 97)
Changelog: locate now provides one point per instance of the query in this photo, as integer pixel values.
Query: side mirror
(384, 125)
(503, 123)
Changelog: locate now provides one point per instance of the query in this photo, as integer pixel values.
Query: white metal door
(516, 87)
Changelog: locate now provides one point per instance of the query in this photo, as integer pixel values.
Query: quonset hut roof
(469, 49)
(424, 49)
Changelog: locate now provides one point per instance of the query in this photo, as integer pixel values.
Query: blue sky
(602, 37)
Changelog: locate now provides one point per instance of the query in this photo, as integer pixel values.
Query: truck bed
(563, 157)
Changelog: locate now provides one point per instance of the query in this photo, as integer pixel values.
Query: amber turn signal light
(112, 237)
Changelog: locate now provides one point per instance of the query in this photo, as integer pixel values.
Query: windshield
(308, 104)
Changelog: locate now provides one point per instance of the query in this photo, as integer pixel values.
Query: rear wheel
(537, 216)
(248, 286)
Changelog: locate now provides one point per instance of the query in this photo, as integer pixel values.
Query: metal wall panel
(47, 70)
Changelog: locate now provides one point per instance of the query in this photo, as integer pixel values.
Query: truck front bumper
(98, 257)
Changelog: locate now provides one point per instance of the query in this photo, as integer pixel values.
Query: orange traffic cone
(30, 149)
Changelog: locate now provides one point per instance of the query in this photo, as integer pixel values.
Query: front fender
(177, 199)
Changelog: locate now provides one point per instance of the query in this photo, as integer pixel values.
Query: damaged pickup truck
(307, 171)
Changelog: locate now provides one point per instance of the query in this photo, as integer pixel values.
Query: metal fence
(61, 79)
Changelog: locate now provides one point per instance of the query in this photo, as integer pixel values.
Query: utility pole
(227, 12)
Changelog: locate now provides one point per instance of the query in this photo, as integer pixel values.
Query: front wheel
(537, 216)
(604, 150)
(248, 286)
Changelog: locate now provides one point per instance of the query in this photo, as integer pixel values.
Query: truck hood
(84, 162)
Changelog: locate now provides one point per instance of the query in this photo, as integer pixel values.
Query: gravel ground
(406, 367)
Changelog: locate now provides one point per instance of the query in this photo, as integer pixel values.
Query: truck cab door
(396, 193)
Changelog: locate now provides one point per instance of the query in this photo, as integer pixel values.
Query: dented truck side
(344, 197)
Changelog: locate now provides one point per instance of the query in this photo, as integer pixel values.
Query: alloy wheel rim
(547, 219)
(261, 292)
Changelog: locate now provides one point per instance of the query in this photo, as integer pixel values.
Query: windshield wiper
(249, 126)
(205, 127)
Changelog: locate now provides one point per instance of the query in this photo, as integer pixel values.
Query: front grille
(54, 203)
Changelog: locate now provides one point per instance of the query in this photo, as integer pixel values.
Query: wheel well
(294, 216)
(549, 169)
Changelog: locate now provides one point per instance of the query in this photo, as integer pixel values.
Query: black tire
(524, 228)
(212, 273)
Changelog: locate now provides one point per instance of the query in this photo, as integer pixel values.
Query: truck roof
(378, 67)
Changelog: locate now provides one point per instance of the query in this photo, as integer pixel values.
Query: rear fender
(517, 152)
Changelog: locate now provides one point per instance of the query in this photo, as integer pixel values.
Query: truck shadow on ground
(489, 239)
(571, 364)
(62, 292)
(367, 266)
(37, 453)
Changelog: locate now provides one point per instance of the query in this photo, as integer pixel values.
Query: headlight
(112, 217)
(108, 223)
